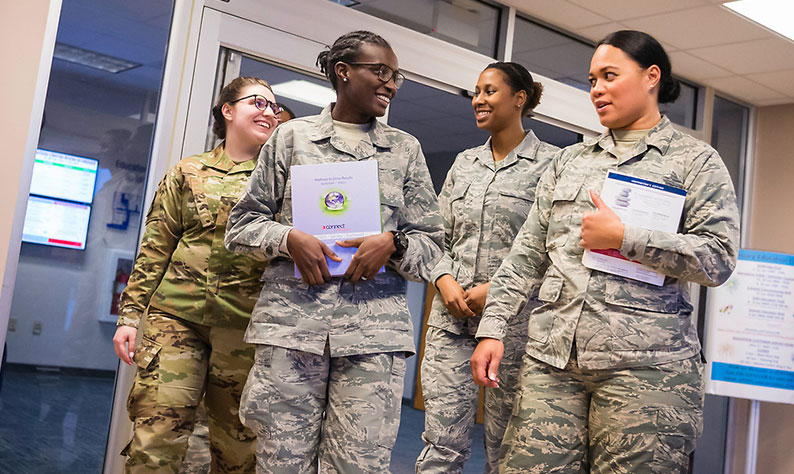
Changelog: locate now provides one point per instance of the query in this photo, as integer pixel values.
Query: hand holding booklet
(336, 201)
(638, 203)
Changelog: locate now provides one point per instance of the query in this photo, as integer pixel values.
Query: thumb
(599, 203)
(330, 253)
(349, 243)
(493, 367)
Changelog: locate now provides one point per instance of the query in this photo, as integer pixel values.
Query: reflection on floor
(56, 422)
(52, 421)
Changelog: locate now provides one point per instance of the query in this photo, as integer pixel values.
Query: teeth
(383, 98)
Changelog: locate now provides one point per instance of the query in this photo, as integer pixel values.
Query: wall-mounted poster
(750, 330)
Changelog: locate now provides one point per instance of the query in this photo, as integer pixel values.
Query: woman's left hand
(475, 297)
(372, 254)
(601, 229)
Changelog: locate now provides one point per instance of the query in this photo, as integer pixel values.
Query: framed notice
(750, 330)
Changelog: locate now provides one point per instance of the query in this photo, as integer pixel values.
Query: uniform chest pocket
(565, 218)
(517, 201)
(200, 201)
(457, 198)
(225, 206)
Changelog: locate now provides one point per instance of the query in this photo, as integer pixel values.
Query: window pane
(467, 23)
(59, 377)
(301, 93)
(729, 138)
(683, 110)
(552, 54)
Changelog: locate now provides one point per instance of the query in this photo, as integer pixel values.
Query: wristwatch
(400, 243)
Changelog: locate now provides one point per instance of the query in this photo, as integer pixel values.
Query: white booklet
(336, 201)
(638, 203)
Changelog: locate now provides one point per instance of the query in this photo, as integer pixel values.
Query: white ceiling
(707, 43)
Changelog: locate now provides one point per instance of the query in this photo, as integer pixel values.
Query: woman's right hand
(453, 297)
(308, 252)
(124, 343)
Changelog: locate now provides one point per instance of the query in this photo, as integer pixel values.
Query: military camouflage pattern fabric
(483, 205)
(634, 420)
(183, 267)
(197, 459)
(451, 399)
(362, 318)
(287, 393)
(618, 322)
(178, 362)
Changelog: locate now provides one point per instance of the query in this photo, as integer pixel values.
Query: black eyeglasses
(384, 73)
(261, 103)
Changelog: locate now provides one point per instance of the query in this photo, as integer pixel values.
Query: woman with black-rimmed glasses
(327, 381)
(192, 298)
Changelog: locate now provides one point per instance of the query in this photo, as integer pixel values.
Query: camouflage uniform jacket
(618, 322)
(366, 317)
(183, 267)
(483, 205)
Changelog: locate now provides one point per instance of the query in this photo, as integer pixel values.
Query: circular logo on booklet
(334, 201)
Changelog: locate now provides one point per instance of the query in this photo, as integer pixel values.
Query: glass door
(228, 46)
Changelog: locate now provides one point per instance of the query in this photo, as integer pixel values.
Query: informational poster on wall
(750, 330)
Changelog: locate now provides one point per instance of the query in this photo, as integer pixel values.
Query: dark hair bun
(519, 79)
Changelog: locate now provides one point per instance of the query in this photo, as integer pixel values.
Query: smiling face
(245, 122)
(496, 105)
(360, 94)
(623, 93)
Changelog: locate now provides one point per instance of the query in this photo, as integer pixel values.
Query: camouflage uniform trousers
(343, 410)
(197, 458)
(451, 398)
(634, 420)
(178, 362)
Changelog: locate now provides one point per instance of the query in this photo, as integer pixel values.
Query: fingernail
(492, 377)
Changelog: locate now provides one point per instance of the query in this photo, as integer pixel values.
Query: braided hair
(346, 49)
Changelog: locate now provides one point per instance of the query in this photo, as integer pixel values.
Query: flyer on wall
(639, 203)
(336, 201)
(750, 330)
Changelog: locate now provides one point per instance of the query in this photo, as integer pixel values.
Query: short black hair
(646, 51)
(346, 49)
(519, 79)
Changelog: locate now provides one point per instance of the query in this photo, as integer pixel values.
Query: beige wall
(24, 38)
(771, 228)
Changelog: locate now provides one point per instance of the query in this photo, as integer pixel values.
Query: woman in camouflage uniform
(197, 297)
(613, 380)
(326, 386)
(485, 200)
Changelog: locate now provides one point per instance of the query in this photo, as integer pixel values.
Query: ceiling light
(305, 91)
(775, 15)
(92, 59)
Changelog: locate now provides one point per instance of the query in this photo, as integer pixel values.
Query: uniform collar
(527, 149)
(658, 137)
(324, 129)
(219, 160)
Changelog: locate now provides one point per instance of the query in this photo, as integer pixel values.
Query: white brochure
(638, 203)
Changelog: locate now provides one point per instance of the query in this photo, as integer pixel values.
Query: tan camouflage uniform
(613, 381)
(483, 204)
(198, 297)
(336, 348)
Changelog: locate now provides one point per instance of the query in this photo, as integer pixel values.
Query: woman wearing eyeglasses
(193, 299)
(328, 374)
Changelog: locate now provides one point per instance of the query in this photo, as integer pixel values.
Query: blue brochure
(336, 201)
